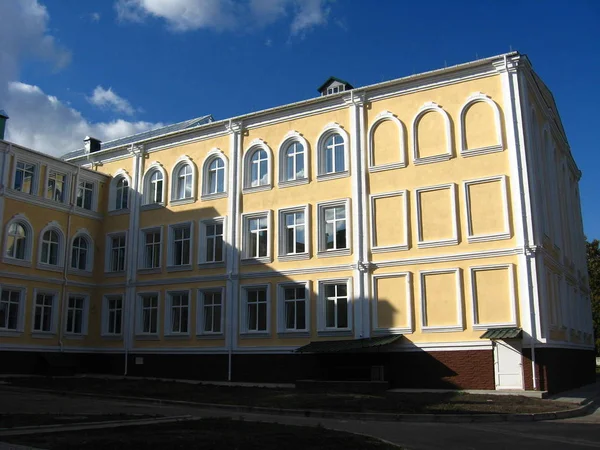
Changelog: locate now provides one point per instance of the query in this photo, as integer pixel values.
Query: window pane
(290, 315)
(262, 316)
(342, 305)
(330, 314)
(341, 234)
(300, 246)
(219, 248)
(301, 315)
(217, 319)
(339, 158)
(262, 250)
(252, 319)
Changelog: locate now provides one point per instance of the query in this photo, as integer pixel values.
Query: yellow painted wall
(480, 126)
(431, 134)
(493, 295)
(487, 207)
(386, 143)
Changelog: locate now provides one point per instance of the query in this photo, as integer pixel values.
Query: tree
(593, 260)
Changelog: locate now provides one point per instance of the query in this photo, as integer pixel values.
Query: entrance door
(508, 364)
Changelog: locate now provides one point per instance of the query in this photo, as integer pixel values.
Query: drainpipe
(526, 250)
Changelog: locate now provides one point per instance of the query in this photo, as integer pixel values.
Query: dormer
(334, 85)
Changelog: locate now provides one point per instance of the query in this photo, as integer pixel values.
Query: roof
(330, 79)
(187, 124)
(348, 345)
(502, 333)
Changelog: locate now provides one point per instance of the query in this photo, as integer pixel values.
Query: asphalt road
(579, 433)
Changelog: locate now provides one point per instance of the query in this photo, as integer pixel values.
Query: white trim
(445, 156)
(459, 326)
(200, 292)
(104, 324)
(243, 326)
(281, 318)
(112, 193)
(22, 220)
(479, 97)
(146, 202)
(94, 206)
(139, 297)
(404, 245)
(477, 325)
(202, 236)
(89, 263)
(322, 329)
(142, 249)
(253, 147)
(288, 139)
(380, 118)
(171, 266)
(66, 187)
(168, 331)
(215, 153)
(35, 183)
(281, 245)
(108, 251)
(55, 312)
(322, 251)
(437, 242)
(84, 314)
(22, 305)
(409, 303)
(246, 217)
(328, 130)
(60, 257)
(506, 233)
(181, 161)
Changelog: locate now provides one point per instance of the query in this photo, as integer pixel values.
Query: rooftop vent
(92, 144)
(334, 85)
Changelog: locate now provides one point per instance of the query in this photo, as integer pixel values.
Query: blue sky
(120, 66)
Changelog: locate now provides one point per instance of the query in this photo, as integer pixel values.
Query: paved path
(570, 434)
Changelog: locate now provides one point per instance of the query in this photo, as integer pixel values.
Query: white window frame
(147, 191)
(244, 330)
(326, 133)
(169, 312)
(289, 139)
(408, 306)
(404, 245)
(480, 97)
(171, 266)
(282, 235)
(202, 247)
(139, 316)
(53, 316)
(322, 243)
(106, 314)
(459, 299)
(506, 234)
(386, 116)
(281, 317)
(84, 314)
(94, 198)
(175, 200)
(66, 186)
(112, 195)
(448, 153)
(200, 317)
(36, 175)
(322, 329)
(477, 325)
(142, 249)
(60, 260)
(89, 262)
(256, 145)
(5, 331)
(213, 155)
(21, 220)
(246, 235)
(437, 242)
(108, 252)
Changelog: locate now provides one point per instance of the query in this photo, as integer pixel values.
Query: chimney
(91, 144)
(3, 119)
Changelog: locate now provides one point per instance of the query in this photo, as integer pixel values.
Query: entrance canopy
(502, 333)
(348, 345)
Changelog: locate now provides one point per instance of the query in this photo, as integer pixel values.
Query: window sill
(391, 248)
(120, 273)
(145, 271)
(112, 337)
(182, 201)
(389, 166)
(74, 337)
(211, 265)
(293, 334)
(292, 183)
(488, 237)
(261, 260)
(118, 212)
(151, 206)
(214, 196)
(432, 159)
(49, 267)
(294, 257)
(481, 151)
(440, 243)
(43, 334)
(255, 334)
(182, 268)
(340, 332)
(332, 253)
(209, 336)
(10, 333)
(81, 273)
(177, 336)
(16, 262)
(333, 176)
(81, 210)
(449, 329)
(147, 337)
(251, 189)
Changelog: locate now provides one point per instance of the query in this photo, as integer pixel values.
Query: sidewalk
(580, 396)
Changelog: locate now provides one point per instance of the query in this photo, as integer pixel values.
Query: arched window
(50, 248)
(184, 182)
(216, 176)
(259, 168)
(333, 152)
(122, 194)
(79, 253)
(16, 241)
(154, 186)
(294, 162)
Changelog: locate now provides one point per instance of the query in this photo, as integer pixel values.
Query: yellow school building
(424, 231)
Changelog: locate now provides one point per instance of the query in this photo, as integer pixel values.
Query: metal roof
(348, 345)
(187, 124)
(502, 333)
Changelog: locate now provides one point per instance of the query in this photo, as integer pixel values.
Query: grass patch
(224, 434)
(385, 402)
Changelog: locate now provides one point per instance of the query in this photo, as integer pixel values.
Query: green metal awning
(502, 333)
(348, 345)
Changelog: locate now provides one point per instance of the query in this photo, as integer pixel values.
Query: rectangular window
(75, 314)
(181, 245)
(256, 309)
(151, 249)
(56, 186)
(85, 192)
(294, 307)
(113, 315)
(293, 230)
(10, 303)
(214, 242)
(212, 308)
(25, 177)
(43, 316)
(179, 312)
(117, 253)
(148, 314)
(336, 305)
(257, 236)
(333, 228)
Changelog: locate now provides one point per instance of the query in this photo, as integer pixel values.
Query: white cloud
(95, 16)
(109, 99)
(188, 15)
(44, 123)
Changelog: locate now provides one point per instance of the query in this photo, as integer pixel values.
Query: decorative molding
(373, 218)
(448, 154)
(386, 116)
(328, 130)
(459, 300)
(506, 234)
(421, 243)
(477, 324)
(409, 304)
(253, 147)
(479, 97)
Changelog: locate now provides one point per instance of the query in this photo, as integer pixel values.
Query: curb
(377, 417)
